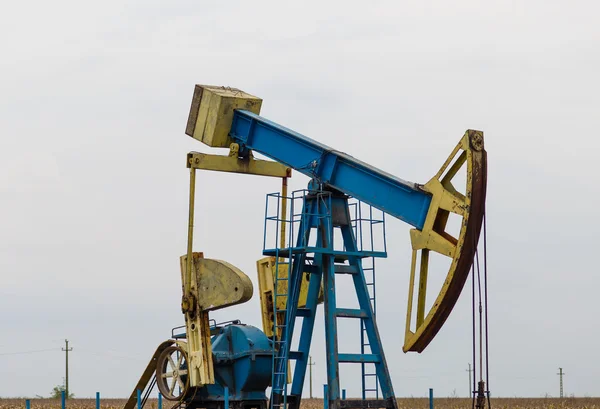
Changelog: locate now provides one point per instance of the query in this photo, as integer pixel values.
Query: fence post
(226, 405)
(430, 398)
(325, 396)
(27, 404)
(139, 399)
(97, 400)
(63, 399)
(159, 400)
(344, 394)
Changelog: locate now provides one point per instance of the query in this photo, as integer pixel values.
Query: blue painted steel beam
(399, 198)
(367, 358)
(350, 313)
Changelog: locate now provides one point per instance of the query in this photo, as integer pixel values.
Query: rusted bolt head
(188, 304)
(476, 139)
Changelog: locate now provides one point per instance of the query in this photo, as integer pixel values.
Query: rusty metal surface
(233, 164)
(176, 376)
(218, 283)
(466, 252)
(147, 375)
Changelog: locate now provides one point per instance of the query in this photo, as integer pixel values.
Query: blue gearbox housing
(242, 360)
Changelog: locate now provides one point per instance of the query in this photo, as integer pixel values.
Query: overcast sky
(93, 184)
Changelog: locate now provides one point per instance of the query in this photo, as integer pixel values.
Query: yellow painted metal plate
(211, 113)
(219, 284)
(266, 277)
(201, 370)
(232, 164)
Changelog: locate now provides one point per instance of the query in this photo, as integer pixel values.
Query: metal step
(302, 312)
(345, 269)
(339, 256)
(360, 358)
(350, 313)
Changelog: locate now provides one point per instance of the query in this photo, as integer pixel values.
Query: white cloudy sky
(93, 184)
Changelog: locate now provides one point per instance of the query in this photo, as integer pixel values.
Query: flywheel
(468, 155)
(172, 373)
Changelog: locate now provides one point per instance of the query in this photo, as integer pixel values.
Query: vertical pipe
(474, 336)
(344, 394)
(27, 404)
(310, 365)
(430, 398)
(226, 403)
(469, 395)
(363, 378)
(139, 399)
(359, 240)
(325, 396)
(97, 400)
(487, 352)
(63, 403)
(190, 229)
(283, 210)
(325, 213)
(67, 369)
(159, 400)
(67, 349)
(329, 301)
(480, 321)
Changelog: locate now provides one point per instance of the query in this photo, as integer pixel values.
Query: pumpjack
(311, 237)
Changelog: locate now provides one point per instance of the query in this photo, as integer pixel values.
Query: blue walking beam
(399, 198)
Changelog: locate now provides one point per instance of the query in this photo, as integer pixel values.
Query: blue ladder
(370, 382)
(280, 340)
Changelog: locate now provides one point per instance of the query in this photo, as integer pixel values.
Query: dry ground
(406, 403)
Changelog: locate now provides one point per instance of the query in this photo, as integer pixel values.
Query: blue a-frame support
(324, 211)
